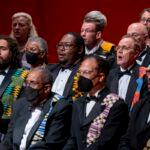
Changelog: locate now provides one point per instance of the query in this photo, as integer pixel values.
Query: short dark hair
(12, 44)
(79, 41)
(102, 64)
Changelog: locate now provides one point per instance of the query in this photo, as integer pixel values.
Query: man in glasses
(140, 33)
(70, 50)
(127, 80)
(92, 28)
(38, 120)
(145, 19)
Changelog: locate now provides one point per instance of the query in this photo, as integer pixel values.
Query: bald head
(139, 32)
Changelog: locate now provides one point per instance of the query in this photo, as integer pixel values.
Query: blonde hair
(33, 31)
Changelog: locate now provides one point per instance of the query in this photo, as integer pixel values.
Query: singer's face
(20, 27)
(5, 54)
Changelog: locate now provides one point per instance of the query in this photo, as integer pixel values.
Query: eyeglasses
(65, 46)
(86, 72)
(33, 84)
(88, 30)
(124, 48)
(145, 20)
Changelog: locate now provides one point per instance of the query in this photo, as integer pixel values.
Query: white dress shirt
(123, 84)
(3, 76)
(35, 115)
(60, 81)
(91, 104)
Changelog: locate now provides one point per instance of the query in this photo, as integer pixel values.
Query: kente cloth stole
(39, 134)
(139, 81)
(99, 122)
(12, 91)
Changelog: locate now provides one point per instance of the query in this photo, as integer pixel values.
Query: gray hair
(97, 17)
(33, 31)
(47, 75)
(42, 43)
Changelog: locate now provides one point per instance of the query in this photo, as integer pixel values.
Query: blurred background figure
(140, 33)
(22, 29)
(145, 19)
(92, 29)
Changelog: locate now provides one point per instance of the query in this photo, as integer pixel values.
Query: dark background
(53, 18)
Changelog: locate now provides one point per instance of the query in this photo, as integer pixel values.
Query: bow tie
(2, 73)
(91, 98)
(121, 73)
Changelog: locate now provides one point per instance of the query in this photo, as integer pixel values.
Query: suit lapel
(22, 121)
(145, 114)
(115, 81)
(146, 60)
(68, 86)
(97, 109)
(45, 109)
(6, 81)
(132, 87)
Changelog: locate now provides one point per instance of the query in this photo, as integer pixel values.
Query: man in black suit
(9, 75)
(126, 79)
(138, 133)
(99, 117)
(140, 33)
(38, 121)
(70, 51)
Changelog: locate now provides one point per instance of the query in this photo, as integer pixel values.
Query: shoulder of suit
(107, 46)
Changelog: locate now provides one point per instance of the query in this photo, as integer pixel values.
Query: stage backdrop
(53, 18)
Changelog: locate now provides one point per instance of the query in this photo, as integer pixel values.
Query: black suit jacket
(55, 68)
(146, 61)
(109, 56)
(114, 127)
(113, 81)
(57, 127)
(138, 131)
(7, 80)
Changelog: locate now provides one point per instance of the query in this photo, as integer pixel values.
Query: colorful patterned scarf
(39, 134)
(12, 91)
(136, 98)
(99, 122)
